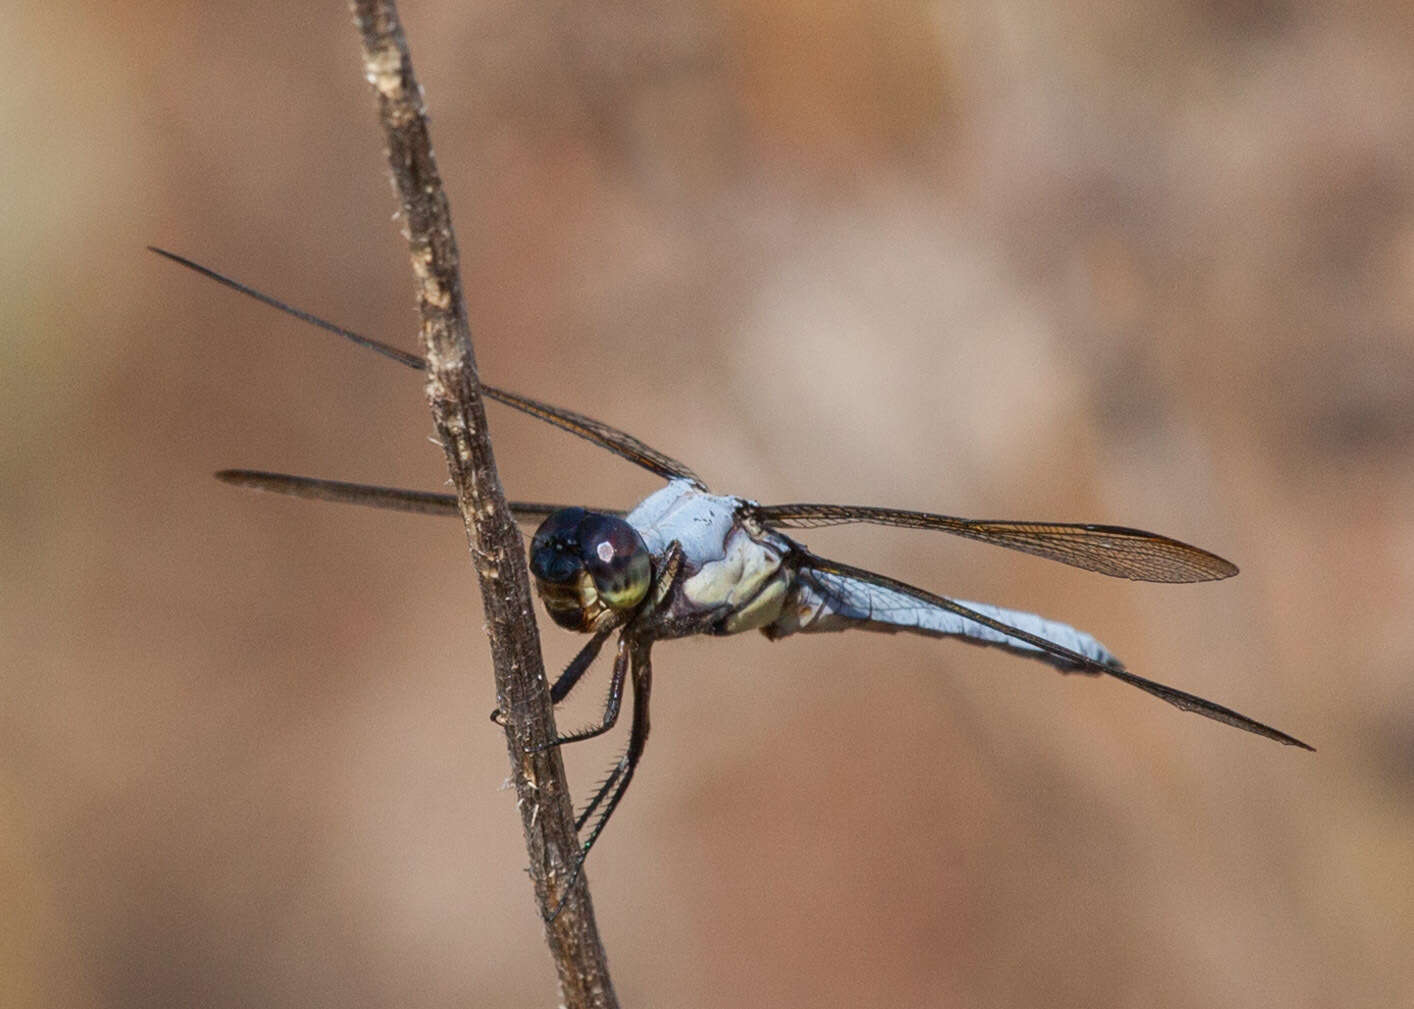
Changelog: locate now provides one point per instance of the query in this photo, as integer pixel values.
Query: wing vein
(1117, 551)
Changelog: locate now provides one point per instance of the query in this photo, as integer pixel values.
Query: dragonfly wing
(389, 498)
(621, 443)
(1117, 551)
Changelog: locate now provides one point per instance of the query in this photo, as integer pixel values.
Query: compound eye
(554, 550)
(559, 572)
(616, 558)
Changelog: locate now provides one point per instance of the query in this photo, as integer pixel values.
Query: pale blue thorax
(733, 579)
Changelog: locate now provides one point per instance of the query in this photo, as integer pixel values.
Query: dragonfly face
(587, 565)
(724, 566)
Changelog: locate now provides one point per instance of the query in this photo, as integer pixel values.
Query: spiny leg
(611, 705)
(573, 672)
(611, 793)
(642, 683)
(570, 678)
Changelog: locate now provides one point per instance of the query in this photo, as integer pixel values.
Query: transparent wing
(1109, 550)
(843, 578)
(390, 498)
(621, 443)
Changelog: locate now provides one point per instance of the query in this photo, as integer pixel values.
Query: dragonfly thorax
(733, 576)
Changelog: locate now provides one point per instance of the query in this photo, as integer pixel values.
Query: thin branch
(454, 392)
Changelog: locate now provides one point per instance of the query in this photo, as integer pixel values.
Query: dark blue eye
(585, 563)
(616, 558)
(555, 550)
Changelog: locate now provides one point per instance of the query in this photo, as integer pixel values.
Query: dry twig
(453, 391)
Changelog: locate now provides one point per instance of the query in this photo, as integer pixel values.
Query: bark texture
(453, 391)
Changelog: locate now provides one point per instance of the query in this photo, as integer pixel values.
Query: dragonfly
(686, 561)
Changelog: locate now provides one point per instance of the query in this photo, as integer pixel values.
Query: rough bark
(453, 391)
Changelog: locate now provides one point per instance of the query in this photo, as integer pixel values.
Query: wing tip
(247, 479)
(1224, 568)
(236, 477)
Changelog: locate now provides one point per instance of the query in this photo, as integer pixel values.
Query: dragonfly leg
(573, 673)
(611, 706)
(578, 666)
(667, 573)
(611, 792)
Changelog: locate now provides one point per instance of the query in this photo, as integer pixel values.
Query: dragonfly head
(586, 563)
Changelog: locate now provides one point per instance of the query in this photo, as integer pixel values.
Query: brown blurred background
(1147, 262)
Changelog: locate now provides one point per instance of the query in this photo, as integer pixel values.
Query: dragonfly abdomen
(827, 601)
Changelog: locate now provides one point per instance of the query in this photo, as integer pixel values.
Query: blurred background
(1148, 263)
